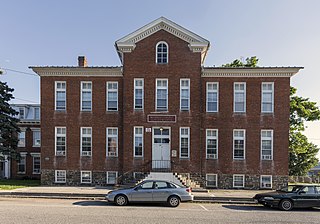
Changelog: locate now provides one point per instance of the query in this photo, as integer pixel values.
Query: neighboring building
(29, 146)
(163, 111)
(315, 171)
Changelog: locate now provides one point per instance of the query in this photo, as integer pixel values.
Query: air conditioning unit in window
(268, 185)
(60, 153)
(266, 157)
(211, 156)
(112, 154)
(86, 153)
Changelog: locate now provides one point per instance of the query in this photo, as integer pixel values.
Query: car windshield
(290, 189)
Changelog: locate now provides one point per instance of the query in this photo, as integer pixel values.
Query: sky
(44, 32)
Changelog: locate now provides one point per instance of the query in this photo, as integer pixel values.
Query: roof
(196, 43)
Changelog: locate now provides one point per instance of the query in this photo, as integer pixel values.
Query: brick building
(29, 145)
(163, 111)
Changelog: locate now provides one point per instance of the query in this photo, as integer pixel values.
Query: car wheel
(286, 205)
(121, 200)
(173, 201)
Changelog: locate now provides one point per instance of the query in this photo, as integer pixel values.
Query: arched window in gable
(162, 55)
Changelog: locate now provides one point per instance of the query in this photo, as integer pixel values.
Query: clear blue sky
(43, 32)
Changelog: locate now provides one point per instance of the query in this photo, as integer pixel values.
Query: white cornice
(196, 43)
(251, 72)
(78, 71)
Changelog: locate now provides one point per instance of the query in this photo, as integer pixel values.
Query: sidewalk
(98, 193)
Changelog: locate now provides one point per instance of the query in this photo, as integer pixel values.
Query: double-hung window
(211, 180)
(86, 96)
(162, 50)
(161, 94)
(238, 180)
(60, 95)
(185, 94)
(22, 113)
(86, 177)
(86, 141)
(212, 97)
(36, 137)
(138, 141)
(61, 141)
(184, 143)
(36, 163)
(60, 176)
(112, 177)
(239, 97)
(112, 142)
(37, 113)
(266, 144)
(138, 94)
(112, 96)
(239, 144)
(22, 163)
(266, 181)
(22, 138)
(267, 97)
(212, 144)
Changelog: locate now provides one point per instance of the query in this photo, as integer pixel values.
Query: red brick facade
(183, 63)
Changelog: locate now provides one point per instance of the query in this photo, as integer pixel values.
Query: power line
(12, 70)
(26, 100)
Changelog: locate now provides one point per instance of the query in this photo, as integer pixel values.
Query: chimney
(82, 61)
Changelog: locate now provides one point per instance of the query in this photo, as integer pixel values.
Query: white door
(161, 148)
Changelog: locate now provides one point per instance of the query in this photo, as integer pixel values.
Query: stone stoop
(187, 180)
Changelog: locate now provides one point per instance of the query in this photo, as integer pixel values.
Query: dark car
(152, 191)
(293, 196)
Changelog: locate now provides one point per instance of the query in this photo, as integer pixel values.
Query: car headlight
(268, 198)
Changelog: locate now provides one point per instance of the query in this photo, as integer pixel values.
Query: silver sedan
(152, 191)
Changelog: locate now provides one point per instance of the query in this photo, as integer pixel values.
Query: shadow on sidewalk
(92, 203)
(262, 208)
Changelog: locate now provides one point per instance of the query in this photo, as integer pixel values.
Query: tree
(8, 124)
(302, 153)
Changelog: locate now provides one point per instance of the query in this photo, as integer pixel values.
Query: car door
(318, 195)
(306, 197)
(161, 191)
(143, 192)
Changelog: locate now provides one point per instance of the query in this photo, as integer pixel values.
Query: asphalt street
(28, 210)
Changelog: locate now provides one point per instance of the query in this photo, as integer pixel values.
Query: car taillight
(189, 189)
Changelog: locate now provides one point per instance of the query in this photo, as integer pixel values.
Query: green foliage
(8, 124)
(14, 184)
(250, 63)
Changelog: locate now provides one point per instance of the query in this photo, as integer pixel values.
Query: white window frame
(262, 184)
(23, 157)
(167, 94)
(243, 180)
(35, 113)
(239, 91)
(184, 136)
(112, 90)
(83, 181)
(108, 153)
(135, 135)
(60, 135)
(22, 115)
(216, 137)
(85, 90)
(266, 138)
(163, 54)
(63, 176)
(22, 135)
(244, 143)
(208, 175)
(212, 91)
(272, 97)
(86, 135)
(36, 141)
(34, 170)
(136, 87)
(108, 174)
(61, 90)
(188, 90)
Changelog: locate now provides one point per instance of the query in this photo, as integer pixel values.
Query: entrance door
(161, 149)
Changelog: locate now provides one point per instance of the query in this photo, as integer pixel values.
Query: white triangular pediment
(196, 43)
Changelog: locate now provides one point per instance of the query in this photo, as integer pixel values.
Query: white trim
(261, 184)
(112, 90)
(184, 136)
(212, 156)
(266, 138)
(55, 141)
(90, 176)
(167, 95)
(241, 92)
(243, 178)
(244, 143)
(167, 53)
(216, 177)
(112, 154)
(134, 93)
(21, 134)
(62, 90)
(85, 153)
(64, 176)
(107, 176)
(185, 88)
(82, 90)
(78, 71)
(134, 141)
(267, 91)
(35, 154)
(212, 91)
(34, 130)
(33, 158)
